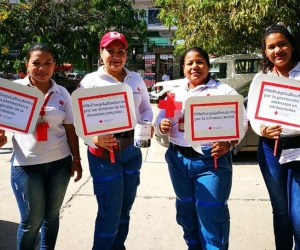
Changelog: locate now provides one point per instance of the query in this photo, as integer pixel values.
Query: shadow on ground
(8, 235)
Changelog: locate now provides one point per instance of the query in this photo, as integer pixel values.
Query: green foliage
(227, 26)
(72, 27)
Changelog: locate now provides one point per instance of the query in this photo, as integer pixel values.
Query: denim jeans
(40, 191)
(202, 192)
(115, 187)
(283, 184)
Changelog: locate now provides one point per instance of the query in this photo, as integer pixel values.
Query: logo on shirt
(138, 92)
(62, 106)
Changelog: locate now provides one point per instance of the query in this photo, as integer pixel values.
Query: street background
(153, 225)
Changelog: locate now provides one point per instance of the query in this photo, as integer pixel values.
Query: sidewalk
(153, 225)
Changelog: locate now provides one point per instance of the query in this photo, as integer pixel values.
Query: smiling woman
(280, 169)
(42, 165)
(115, 184)
(201, 190)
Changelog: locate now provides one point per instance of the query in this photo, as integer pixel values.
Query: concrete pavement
(153, 225)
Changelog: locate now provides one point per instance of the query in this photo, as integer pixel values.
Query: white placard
(274, 100)
(19, 106)
(103, 110)
(213, 118)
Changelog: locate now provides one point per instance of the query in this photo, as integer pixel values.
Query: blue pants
(40, 191)
(201, 198)
(115, 187)
(283, 184)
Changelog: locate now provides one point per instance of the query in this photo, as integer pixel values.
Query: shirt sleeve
(69, 118)
(145, 109)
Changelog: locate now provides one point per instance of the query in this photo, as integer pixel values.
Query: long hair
(266, 64)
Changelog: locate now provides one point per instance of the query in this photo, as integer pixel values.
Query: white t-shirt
(58, 111)
(182, 92)
(142, 104)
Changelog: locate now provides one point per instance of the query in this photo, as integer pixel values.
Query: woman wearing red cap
(115, 184)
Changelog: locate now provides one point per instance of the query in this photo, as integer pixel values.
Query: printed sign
(213, 118)
(276, 100)
(103, 110)
(19, 106)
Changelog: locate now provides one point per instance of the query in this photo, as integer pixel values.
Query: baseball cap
(113, 36)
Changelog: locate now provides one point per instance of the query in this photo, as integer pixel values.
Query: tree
(228, 26)
(73, 27)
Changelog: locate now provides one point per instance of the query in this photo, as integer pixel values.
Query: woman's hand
(105, 141)
(165, 125)
(3, 138)
(76, 167)
(152, 131)
(220, 148)
(272, 131)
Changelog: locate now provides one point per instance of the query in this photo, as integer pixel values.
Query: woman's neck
(119, 76)
(284, 71)
(42, 86)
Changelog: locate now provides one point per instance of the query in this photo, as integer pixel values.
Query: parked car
(75, 76)
(16, 76)
(2, 75)
(161, 89)
(235, 70)
(250, 140)
(7, 76)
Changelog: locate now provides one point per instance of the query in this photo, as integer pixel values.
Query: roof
(234, 57)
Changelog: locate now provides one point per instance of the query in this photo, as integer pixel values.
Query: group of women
(41, 169)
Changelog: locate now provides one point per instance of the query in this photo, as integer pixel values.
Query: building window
(245, 66)
(218, 70)
(152, 16)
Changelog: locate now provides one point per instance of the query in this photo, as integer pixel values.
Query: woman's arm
(74, 147)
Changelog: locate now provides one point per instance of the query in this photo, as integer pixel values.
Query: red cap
(113, 36)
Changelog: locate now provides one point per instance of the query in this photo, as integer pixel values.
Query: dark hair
(40, 47)
(266, 64)
(203, 53)
(199, 50)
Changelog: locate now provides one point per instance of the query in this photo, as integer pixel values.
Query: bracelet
(76, 159)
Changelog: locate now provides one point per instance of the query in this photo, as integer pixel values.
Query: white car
(160, 89)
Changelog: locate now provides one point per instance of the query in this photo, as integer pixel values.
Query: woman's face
(278, 49)
(40, 66)
(114, 56)
(195, 68)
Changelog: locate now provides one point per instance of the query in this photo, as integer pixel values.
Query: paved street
(153, 225)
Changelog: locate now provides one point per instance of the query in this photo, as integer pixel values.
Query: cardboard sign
(19, 106)
(274, 100)
(103, 110)
(213, 118)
